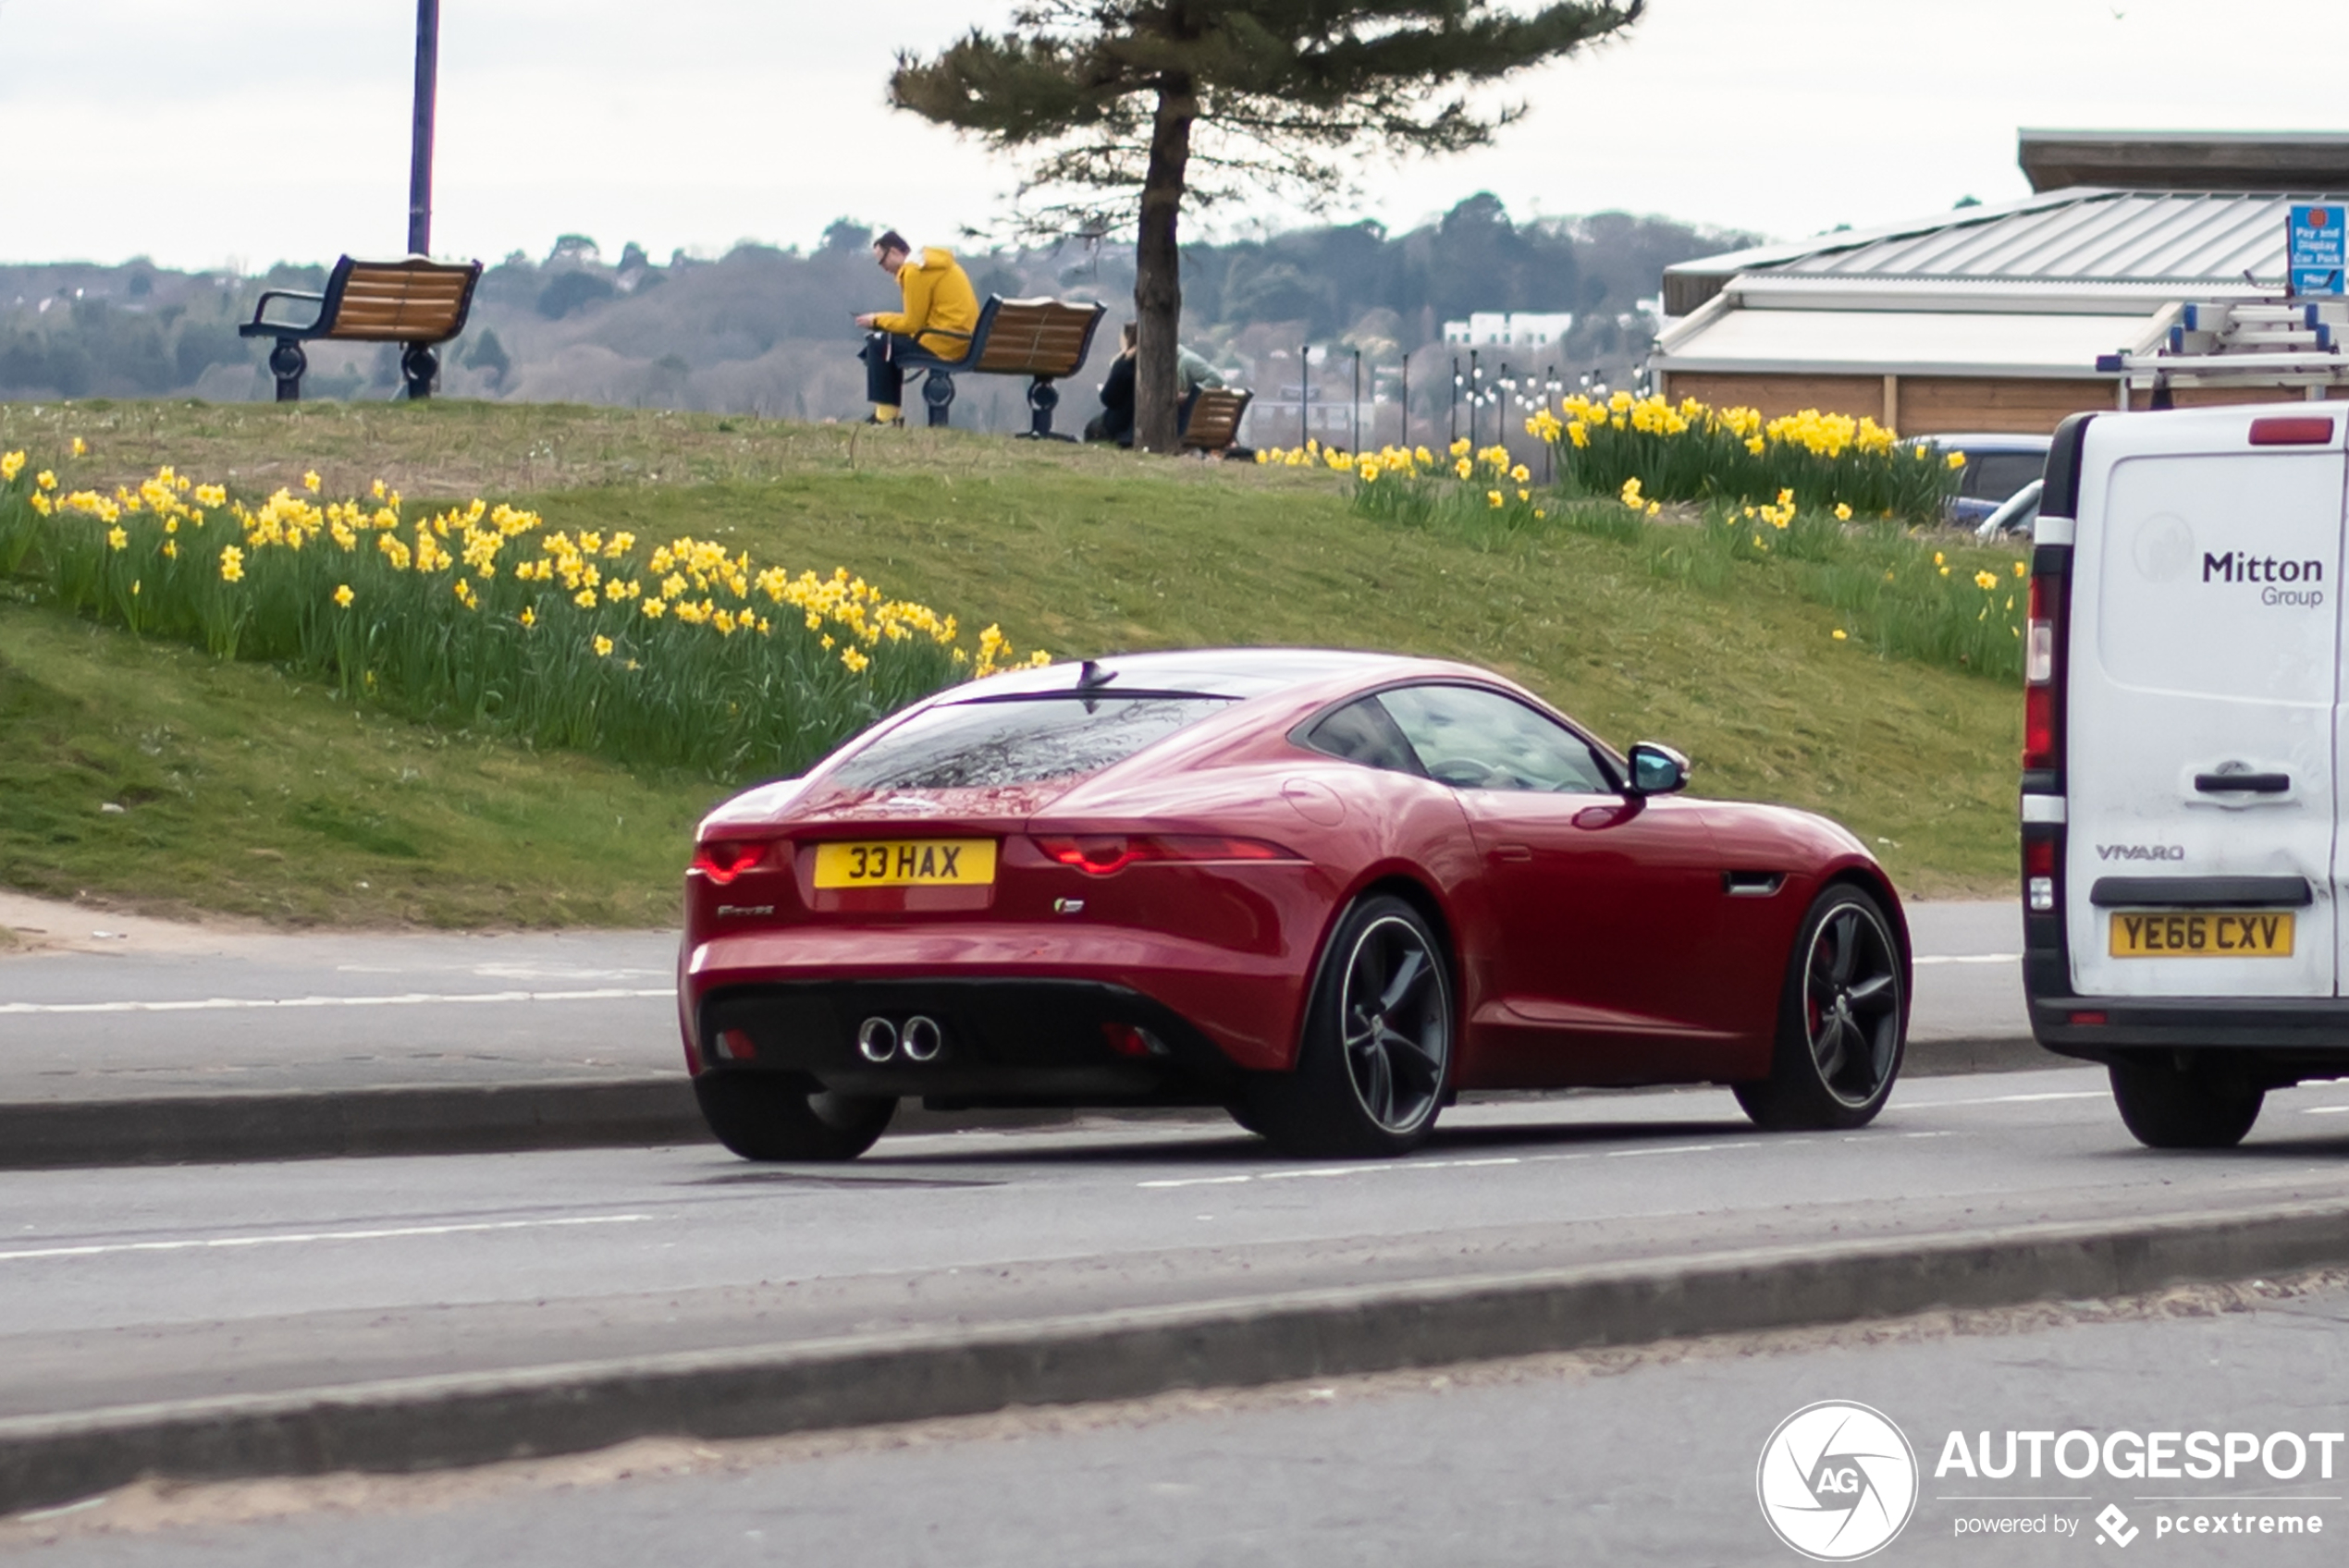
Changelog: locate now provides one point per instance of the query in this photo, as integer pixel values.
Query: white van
(2182, 857)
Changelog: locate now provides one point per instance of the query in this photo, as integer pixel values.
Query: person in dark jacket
(1115, 422)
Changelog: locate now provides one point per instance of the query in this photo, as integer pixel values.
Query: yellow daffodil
(1837, 634)
(603, 647)
(81, 447)
(310, 481)
(343, 595)
(117, 539)
(1843, 511)
(11, 465)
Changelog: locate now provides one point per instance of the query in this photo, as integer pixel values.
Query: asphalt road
(1644, 1457)
(140, 1284)
(111, 1007)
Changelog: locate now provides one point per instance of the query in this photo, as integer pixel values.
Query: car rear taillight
(2042, 692)
(723, 860)
(1100, 854)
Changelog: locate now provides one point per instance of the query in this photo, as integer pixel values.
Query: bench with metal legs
(417, 302)
(1045, 341)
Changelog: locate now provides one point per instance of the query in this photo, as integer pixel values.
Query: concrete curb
(510, 1118)
(303, 1124)
(437, 1422)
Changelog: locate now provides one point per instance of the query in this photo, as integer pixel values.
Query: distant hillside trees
(766, 330)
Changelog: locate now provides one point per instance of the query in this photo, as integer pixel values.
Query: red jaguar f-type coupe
(1326, 891)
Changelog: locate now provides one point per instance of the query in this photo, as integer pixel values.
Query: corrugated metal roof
(2109, 237)
(2193, 241)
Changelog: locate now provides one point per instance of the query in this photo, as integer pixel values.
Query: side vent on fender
(1752, 884)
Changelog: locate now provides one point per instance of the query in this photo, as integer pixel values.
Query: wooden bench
(418, 302)
(1042, 339)
(1215, 419)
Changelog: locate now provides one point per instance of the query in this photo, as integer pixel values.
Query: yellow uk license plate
(906, 863)
(2202, 933)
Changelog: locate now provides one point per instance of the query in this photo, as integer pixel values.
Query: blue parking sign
(2316, 257)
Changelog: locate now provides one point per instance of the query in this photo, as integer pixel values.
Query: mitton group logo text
(1838, 1482)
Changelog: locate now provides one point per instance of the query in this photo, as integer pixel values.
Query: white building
(1508, 329)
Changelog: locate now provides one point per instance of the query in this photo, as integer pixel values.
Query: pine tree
(1199, 101)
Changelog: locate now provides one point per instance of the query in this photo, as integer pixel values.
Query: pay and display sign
(2314, 250)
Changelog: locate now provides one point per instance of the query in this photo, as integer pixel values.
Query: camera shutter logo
(1838, 1481)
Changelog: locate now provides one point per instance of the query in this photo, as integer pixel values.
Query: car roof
(1216, 672)
(1990, 441)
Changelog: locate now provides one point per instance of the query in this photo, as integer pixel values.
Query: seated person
(942, 311)
(1115, 422)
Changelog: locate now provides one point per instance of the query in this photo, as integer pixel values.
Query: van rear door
(2200, 759)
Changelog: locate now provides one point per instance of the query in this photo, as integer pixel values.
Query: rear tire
(1843, 1021)
(2166, 1104)
(787, 1116)
(1376, 1057)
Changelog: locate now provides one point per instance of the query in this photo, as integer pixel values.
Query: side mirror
(1657, 771)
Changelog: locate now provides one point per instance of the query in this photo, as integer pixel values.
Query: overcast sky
(204, 131)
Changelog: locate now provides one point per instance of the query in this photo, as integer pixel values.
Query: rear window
(975, 745)
(1993, 476)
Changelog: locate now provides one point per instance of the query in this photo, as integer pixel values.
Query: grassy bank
(1076, 552)
(246, 793)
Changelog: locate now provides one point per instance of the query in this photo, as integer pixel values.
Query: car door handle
(2243, 783)
(1512, 852)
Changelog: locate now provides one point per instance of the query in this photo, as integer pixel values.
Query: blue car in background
(1998, 469)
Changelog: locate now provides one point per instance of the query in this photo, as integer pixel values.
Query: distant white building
(1508, 329)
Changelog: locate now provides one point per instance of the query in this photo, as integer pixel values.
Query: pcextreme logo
(1837, 1481)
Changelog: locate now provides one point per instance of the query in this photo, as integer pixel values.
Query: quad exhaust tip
(924, 1039)
(877, 1039)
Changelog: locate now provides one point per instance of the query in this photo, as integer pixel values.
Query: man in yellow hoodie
(940, 312)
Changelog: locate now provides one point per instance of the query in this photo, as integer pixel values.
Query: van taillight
(2291, 430)
(2038, 869)
(2041, 705)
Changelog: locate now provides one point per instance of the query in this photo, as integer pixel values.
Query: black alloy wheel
(1376, 1057)
(1842, 1020)
(788, 1116)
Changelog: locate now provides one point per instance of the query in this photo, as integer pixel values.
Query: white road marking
(410, 998)
(1967, 958)
(98, 1249)
(2324, 1110)
(1398, 1167)
(1674, 1148)
(2009, 1100)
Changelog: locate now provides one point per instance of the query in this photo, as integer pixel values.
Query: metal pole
(1476, 392)
(420, 155)
(1304, 394)
(1354, 415)
(1406, 400)
(1452, 416)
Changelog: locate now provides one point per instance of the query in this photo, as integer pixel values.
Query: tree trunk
(1158, 269)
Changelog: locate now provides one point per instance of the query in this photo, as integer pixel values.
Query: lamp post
(419, 152)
